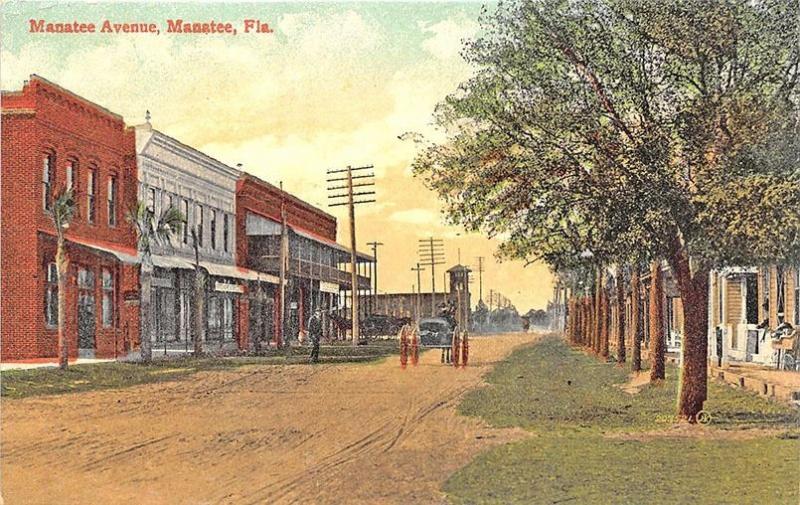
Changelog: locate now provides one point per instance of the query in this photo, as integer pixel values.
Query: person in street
(315, 334)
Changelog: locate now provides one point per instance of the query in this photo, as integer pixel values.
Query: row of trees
(151, 230)
(598, 133)
(589, 317)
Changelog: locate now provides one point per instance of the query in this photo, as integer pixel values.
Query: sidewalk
(30, 364)
(768, 382)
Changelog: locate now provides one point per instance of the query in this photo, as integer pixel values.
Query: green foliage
(552, 386)
(624, 127)
(117, 375)
(63, 209)
(572, 455)
(152, 230)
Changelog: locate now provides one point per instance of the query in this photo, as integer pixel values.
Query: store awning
(235, 272)
(172, 262)
(126, 256)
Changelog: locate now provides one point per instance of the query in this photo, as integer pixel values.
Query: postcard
(433, 252)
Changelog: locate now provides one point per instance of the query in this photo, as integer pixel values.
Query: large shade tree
(638, 130)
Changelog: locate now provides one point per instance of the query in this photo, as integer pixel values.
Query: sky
(334, 84)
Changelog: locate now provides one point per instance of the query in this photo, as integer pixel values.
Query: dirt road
(358, 433)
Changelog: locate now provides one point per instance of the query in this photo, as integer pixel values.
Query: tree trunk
(62, 266)
(198, 311)
(694, 369)
(605, 334)
(636, 323)
(657, 343)
(145, 315)
(620, 328)
(598, 314)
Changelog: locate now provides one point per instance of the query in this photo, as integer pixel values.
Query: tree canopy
(634, 130)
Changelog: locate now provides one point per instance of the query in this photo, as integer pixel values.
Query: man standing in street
(315, 334)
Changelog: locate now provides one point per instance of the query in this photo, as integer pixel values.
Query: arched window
(111, 198)
(91, 193)
(48, 178)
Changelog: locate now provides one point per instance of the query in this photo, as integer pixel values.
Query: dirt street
(358, 433)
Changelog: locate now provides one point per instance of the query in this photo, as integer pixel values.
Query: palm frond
(169, 224)
(63, 209)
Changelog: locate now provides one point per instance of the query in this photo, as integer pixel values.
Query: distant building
(428, 304)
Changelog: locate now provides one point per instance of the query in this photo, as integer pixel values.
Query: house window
(200, 226)
(151, 200)
(751, 299)
(48, 163)
(108, 298)
(225, 232)
(91, 189)
(213, 229)
(51, 296)
(112, 201)
(185, 205)
(767, 288)
(720, 299)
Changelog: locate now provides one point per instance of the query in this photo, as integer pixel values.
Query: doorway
(86, 314)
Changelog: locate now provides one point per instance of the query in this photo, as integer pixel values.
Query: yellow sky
(327, 89)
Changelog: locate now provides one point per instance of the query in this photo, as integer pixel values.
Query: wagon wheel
(455, 347)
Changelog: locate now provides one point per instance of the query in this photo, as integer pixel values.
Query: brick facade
(43, 120)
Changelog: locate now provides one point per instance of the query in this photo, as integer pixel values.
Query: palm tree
(62, 211)
(151, 231)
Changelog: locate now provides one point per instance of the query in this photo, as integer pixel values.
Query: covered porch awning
(360, 257)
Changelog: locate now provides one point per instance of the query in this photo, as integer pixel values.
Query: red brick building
(316, 275)
(52, 138)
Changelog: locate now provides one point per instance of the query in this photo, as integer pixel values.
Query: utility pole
(418, 269)
(284, 263)
(480, 278)
(374, 246)
(431, 253)
(491, 297)
(348, 198)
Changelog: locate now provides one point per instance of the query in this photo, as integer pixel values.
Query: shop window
(48, 164)
(85, 278)
(112, 201)
(108, 298)
(214, 318)
(227, 318)
(51, 295)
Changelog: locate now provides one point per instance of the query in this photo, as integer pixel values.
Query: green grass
(571, 403)
(114, 375)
